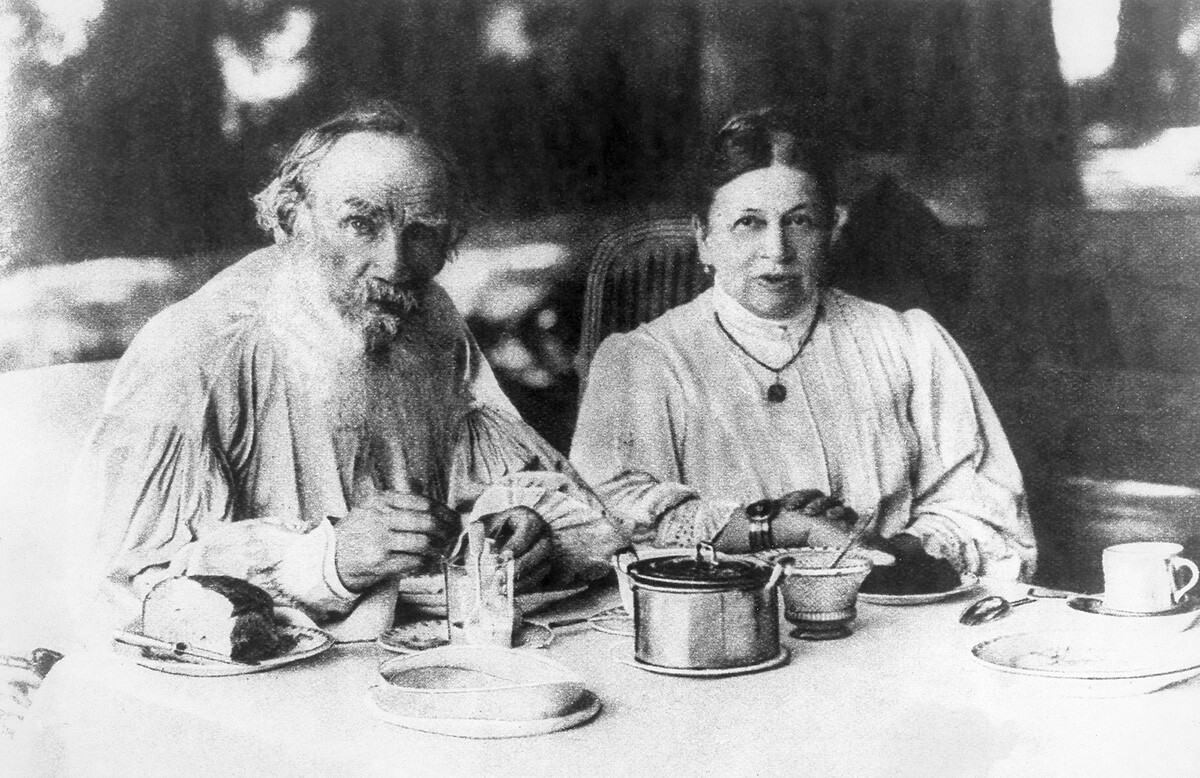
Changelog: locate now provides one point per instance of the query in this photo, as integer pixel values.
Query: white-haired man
(315, 417)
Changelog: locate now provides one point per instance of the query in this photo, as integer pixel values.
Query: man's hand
(523, 535)
(391, 534)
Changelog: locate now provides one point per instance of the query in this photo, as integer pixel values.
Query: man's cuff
(308, 573)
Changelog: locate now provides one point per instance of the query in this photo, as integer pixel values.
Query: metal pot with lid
(704, 612)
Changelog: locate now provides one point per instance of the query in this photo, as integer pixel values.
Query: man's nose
(389, 257)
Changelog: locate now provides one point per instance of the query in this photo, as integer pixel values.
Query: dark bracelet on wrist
(759, 516)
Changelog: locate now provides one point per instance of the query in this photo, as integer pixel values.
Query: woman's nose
(775, 244)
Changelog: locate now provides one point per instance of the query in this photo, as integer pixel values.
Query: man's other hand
(391, 534)
(522, 534)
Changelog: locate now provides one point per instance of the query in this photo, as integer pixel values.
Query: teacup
(821, 600)
(1141, 577)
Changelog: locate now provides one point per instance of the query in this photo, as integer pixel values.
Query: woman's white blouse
(882, 410)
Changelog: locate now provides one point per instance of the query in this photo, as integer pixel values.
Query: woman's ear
(841, 217)
(701, 243)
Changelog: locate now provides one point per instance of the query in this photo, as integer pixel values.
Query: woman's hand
(802, 518)
(814, 519)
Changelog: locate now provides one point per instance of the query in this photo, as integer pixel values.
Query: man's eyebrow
(362, 204)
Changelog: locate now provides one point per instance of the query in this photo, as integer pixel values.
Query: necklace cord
(812, 325)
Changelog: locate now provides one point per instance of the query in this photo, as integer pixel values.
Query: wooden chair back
(637, 273)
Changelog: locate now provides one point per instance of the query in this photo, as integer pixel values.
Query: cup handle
(1178, 562)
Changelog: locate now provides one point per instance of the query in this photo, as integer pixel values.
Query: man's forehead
(374, 167)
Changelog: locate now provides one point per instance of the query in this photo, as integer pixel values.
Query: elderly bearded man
(304, 419)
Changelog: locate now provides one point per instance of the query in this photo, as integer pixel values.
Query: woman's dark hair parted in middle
(757, 139)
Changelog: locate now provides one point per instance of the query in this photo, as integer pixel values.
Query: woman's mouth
(780, 280)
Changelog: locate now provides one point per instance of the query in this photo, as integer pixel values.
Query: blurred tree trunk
(1146, 72)
(141, 170)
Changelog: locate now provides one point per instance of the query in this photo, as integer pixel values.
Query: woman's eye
(808, 220)
(804, 220)
(748, 221)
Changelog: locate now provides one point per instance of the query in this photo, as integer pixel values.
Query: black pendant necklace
(776, 392)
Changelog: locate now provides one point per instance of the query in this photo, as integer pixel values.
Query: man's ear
(841, 217)
(301, 224)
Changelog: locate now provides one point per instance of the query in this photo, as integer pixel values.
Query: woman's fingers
(795, 501)
(518, 529)
(541, 553)
(820, 505)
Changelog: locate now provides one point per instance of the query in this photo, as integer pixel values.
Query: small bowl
(820, 600)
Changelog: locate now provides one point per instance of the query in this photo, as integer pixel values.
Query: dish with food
(967, 582)
(307, 641)
(424, 634)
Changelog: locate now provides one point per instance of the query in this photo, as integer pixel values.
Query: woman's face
(768, 239)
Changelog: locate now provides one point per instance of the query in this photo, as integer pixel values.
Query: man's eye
(748, 222)
(362, 225)
(426, 236)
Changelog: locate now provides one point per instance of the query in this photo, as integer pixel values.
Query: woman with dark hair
(773, 408)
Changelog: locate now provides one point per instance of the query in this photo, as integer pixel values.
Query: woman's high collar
(746, 325)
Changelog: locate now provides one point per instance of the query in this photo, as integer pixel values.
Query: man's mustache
(393, 298)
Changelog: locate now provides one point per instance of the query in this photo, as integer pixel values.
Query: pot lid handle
(706, 555)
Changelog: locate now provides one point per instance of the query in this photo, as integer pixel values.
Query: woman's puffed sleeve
(631, 424)
(500, 462)
(969, 500)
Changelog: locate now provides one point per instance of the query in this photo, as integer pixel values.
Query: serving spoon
(996, 607)
(990, 609)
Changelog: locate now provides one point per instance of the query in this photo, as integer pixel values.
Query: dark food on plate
(219, 613)
(915, 574)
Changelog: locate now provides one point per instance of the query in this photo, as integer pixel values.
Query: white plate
(620, 652)
(969, 582)
(586, 709)
(1090, 664)
(310, 642)
(432, 598)
(1087, 654)
(425, 634)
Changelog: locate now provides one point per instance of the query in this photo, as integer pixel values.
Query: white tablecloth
(902, 696)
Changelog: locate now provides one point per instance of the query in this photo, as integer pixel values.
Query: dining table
(902, 695)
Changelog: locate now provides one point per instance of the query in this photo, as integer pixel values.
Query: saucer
(1089, 603)
(424, 634)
